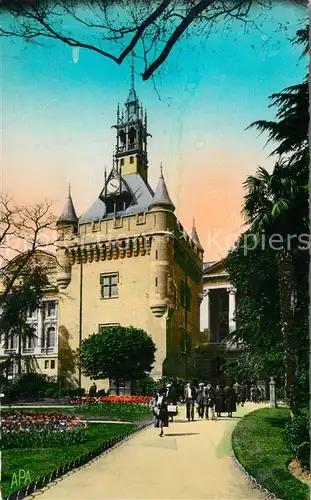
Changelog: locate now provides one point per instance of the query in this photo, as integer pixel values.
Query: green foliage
(297, 438)
(115, 411)
(178, 385)
(267, 458)
(146, 386)
(28, 386)
(42, 438)
(34, 386)
(43, 461)
(254, 274)
(121, 353)
(25, 294)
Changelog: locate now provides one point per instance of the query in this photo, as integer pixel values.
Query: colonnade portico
(206, 307)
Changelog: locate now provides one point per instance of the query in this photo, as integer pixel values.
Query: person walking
(201, 400)
(230, 400)
(219, 400)
(236, 388)
(242, 394)
(171, 397)
(161, 410)
(209, 395)
(189, 398)
(93, 390)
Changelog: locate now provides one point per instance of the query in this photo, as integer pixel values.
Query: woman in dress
(161, 410)
(219, 400)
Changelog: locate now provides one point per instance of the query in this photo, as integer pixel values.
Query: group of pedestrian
(210, 403)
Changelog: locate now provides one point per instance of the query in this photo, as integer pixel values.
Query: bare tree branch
(152, 28)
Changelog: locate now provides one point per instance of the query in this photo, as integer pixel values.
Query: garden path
(192, 461)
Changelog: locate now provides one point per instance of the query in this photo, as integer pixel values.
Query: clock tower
(131, 147)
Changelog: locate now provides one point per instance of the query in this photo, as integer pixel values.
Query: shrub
(147, 386)
(45, 437)
(27, 429)
(27, 386)
(297, 439)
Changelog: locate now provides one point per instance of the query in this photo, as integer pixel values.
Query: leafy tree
(25, 294)
(276, 208)
(116, 29)
(118, 352)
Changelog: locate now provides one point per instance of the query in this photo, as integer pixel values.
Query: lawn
(102, 411)
(259, 446)
(40, 462)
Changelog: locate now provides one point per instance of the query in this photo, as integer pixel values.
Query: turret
(195, 239)
(66, 228)
(159, 275)
(161, 198)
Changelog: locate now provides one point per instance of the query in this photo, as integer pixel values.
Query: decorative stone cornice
(126, 248)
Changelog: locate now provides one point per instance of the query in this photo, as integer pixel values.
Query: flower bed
(27, 429)
(132, 400)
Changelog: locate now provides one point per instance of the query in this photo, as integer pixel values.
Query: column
(272, 402)
(232, 323)
(40, 330)
(205, 310)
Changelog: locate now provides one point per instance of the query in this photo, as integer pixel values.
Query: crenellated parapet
(110, 250)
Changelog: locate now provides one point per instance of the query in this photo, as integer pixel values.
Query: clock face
(112, 185)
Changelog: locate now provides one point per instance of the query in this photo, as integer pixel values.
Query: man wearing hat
(200, 400)
(171, 399)
(189, 398)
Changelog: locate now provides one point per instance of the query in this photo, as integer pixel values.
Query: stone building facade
(128, 260)
(40, 351)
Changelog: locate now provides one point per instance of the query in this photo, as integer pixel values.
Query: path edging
(78, 462)
(254, 481)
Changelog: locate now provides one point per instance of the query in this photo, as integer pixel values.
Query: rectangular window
(106, 325)
(185, 295)
(183, 341)
(141, 218)
(156, 281)
(46, 365)
(131, 159)
(50, 309)
(182, 294)
(52, 364)
(122, 162)
(11, 342)
(31, 313)
(109, 285)
(95, 225)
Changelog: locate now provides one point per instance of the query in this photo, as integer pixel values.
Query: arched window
(51, 337)
(132, 137)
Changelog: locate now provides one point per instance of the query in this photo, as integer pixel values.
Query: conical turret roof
(161, 197)
(68, 214)
(195, 238)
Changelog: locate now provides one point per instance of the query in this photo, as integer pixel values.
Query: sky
(58, 107)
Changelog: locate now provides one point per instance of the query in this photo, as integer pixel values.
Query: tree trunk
(287, 293)
(19, 359)
(118, 387)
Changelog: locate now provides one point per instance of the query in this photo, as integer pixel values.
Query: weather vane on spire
(161, 168)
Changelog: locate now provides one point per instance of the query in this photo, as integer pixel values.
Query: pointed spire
(132, 73)
(195, 238)
(68, 214)
(132, 92)
(161, 197)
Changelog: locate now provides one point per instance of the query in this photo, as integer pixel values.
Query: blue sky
(57, 114)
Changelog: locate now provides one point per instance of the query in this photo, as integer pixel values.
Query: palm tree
(276, 206)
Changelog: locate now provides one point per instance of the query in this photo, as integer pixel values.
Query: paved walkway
(192, 461)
